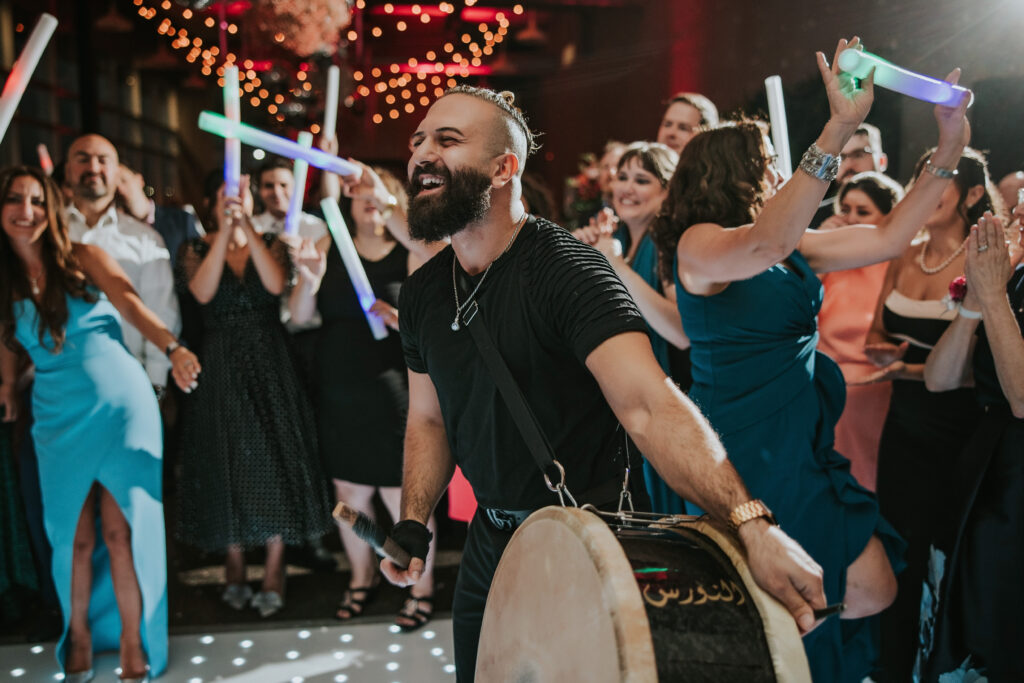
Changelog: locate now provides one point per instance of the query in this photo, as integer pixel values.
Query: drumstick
(825, 611)
(368, 530)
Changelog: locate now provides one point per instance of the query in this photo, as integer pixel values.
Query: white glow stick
(350, 257)
(780, 129)
(331, 102)
(23, 69)
(218, 125)
(232, 145)
(291, 219)
(858, 63)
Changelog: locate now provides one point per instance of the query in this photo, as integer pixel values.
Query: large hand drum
(574, 599)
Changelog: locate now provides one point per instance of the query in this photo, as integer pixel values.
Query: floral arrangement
(302, 27)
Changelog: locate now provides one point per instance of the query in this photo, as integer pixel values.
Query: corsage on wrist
(954, 299)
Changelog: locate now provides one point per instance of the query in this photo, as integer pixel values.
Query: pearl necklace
(455, 287)
(941, 266)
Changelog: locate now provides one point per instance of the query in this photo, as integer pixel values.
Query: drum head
(595, 628)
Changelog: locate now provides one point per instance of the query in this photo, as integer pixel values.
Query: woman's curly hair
(720, 179)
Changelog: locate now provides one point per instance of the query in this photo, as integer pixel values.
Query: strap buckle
(560, 488)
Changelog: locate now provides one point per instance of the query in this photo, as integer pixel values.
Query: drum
(575, 598)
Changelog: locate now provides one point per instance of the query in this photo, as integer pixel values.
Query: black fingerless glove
(413, 537)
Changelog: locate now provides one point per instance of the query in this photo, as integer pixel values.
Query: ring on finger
(982, 247)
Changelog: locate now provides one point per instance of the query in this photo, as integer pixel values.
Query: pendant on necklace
(455, 326)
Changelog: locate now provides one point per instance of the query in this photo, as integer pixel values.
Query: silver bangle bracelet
(938, 171)
(819, 164)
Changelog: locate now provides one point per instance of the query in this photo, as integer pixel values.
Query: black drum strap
(526, 421)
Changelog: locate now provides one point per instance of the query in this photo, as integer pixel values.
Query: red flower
(958, 289)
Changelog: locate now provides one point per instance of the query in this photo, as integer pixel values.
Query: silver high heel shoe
(267, 603)
(80, 676)
(237, 595)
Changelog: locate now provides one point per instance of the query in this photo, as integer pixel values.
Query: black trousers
(484, 546)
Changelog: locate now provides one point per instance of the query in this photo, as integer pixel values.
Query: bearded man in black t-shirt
(577, 347)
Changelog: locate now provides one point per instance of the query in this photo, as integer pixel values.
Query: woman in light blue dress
(97, 428)
(748, 298)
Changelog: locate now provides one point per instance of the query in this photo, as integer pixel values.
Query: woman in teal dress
(639, 187)
(97, 428)
(748, 297)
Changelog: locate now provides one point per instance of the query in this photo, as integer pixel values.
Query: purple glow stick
(858, 63)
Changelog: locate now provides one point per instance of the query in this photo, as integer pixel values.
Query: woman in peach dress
(846, 314)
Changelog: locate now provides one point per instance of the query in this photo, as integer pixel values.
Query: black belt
(505, 520)
(509, 520)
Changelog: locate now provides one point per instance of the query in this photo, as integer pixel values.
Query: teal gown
(774, 400)
(645, 264)
(97, 420)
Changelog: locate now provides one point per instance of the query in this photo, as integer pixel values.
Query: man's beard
(86, 189)
(464, 198)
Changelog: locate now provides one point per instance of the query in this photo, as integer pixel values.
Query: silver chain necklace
(455, 287)
(931, 271)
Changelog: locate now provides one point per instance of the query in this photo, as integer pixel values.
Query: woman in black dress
(363, 393)
(250, 475)
(924, 431)
(977, 608)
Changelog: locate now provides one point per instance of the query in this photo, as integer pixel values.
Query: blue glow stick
(350, 257)
(291, 219)
(858, 64)
(218, 125)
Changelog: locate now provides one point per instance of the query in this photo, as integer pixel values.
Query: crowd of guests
(877, 415)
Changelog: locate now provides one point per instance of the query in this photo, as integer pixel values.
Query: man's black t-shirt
(547, 303)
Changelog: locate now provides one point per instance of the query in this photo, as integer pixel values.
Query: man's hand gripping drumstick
(366, 529)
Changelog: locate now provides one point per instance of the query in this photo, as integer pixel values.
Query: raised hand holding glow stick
(858, 63)
(780, 129)
(23, 69)
(218, 125)
(331, 102)
(291, 219)
(232, 145)
(350, 257)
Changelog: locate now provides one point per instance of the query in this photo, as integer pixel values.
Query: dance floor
(357, 653)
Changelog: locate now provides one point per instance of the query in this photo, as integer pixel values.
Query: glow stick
(780, 129)
(350, 257)
(23, 69)
(45, 162)
(232, 145)
(331, 102)
(218, 125)
(858, 64)
(291, 219)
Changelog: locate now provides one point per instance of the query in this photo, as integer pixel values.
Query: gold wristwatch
(752, 509)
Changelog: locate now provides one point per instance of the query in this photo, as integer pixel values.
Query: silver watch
(820, 164)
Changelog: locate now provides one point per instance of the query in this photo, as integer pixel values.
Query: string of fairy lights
(400, 87)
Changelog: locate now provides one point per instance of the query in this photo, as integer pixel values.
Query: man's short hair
(873, 135)
(273, 164)
(513, 115)
(708, 110)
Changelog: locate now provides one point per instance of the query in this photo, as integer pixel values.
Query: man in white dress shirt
(92, 173)
(274, 184)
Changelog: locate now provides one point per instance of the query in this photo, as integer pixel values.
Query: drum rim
(789, 659)
(637, 660)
